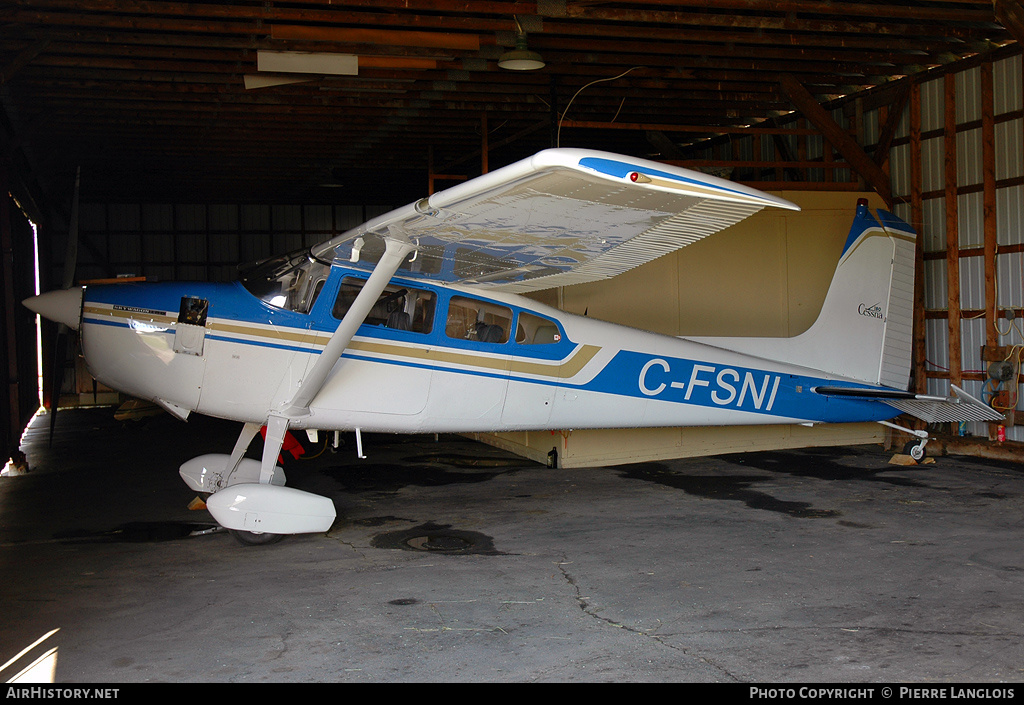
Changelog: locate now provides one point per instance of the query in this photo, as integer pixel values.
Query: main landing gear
(255, 538)
(249, 498)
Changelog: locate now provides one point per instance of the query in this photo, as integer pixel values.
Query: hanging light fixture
(521, 58)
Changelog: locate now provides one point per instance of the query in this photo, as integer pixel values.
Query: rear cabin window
(472, 319)
(536, 330)
(398, 307)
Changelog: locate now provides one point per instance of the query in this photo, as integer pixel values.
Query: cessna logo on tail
(871, 311)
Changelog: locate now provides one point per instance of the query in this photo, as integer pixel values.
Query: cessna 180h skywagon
(413, 323)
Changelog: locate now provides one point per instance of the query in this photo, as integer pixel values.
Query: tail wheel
(915, 449)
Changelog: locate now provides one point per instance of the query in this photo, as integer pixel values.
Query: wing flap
(700, 220)
(564, 216)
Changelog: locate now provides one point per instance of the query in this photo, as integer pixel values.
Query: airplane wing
(563, 216)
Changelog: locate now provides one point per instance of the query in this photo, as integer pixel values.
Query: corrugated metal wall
(964, 91)
(919, 153)
(200, 242)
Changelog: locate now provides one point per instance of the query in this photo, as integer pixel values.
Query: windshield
(290, 281)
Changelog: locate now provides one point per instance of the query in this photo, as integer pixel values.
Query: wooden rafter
(149, 96)
(1010, 14)
(848, 147)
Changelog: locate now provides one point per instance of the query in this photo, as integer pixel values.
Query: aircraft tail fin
(864, 330)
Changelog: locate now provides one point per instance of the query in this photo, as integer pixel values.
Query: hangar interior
(165, 140)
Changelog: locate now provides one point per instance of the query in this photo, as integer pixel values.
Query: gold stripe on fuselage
(560, 369)
(557, 369)
(277, 333)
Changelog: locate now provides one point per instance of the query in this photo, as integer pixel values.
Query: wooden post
(917, 218)
(952, 232)
(988, 166)
(988, 173)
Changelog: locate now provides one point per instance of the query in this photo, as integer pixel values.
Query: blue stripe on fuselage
(629, 373)
(230, 301)
(730, 387)
(233, 303)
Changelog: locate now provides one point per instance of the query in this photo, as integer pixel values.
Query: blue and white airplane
(413, 322)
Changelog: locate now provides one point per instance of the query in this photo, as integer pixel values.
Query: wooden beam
(888, 132)
(386, 37)
(952, 232)
(23, 58)
(988, 170)
(777, 22)
(700, 129)
(858, 159)
(916, 218)
(1010, 14)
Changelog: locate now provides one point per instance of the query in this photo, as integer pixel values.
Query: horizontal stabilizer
(930, 409)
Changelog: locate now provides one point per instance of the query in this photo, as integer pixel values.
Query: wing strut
(395, 252)
(257, 512)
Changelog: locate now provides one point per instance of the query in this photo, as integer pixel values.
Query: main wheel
(255, 538)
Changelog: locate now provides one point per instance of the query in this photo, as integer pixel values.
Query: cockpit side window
(291, 282)
(398, 307)
(472, 319)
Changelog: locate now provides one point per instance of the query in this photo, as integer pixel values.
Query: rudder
(897, 347)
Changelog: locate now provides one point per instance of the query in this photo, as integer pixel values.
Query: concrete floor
(453, 561)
